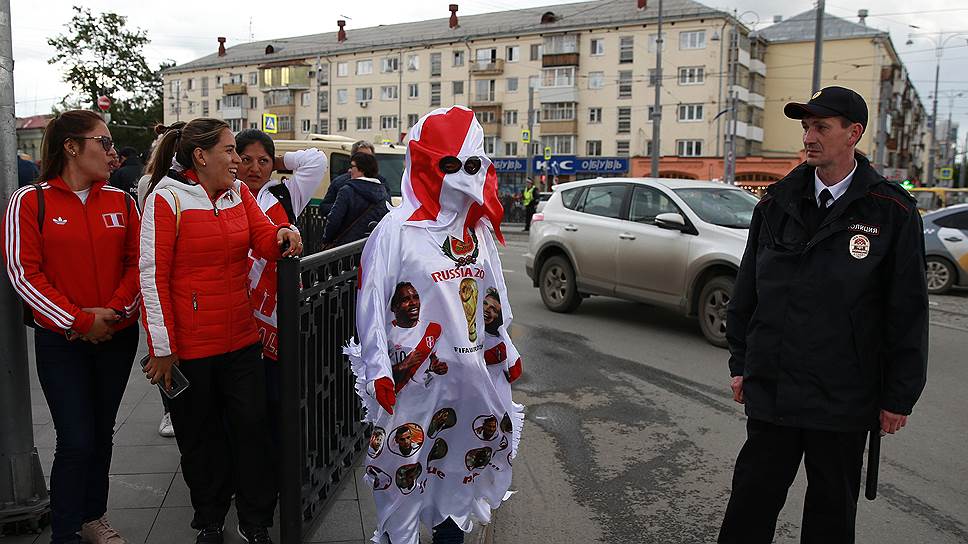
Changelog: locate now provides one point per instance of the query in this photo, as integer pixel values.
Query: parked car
(935, 198)
(672, 243)
(946, 248)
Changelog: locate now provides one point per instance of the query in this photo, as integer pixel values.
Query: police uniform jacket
(828, 328)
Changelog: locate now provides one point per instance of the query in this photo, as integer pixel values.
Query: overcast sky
(184, 30)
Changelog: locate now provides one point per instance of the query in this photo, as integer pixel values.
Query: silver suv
(673, 243)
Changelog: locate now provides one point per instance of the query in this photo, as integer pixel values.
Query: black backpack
(281, 192)
(27, 310)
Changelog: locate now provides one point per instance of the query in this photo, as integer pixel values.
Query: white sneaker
(165, 428)
(100, 531)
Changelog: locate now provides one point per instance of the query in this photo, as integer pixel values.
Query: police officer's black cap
(831, 102)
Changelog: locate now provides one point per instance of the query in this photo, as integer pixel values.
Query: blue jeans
(83, 384)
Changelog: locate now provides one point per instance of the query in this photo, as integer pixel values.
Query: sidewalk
(149, 501)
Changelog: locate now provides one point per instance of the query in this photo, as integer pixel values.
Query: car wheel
(713, 301)
(559, 289)
(940, 275)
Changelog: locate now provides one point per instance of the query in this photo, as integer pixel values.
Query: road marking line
(945, 325)
(506, 271)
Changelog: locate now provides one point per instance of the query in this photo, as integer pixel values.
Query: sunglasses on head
(106, 142)
(451, 165)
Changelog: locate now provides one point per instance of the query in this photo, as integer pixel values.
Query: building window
(594, 115)
(510, 117)
(626, 47)
(413, 90)
(622, 148)
(458, 87)
(364, 67)
(598, 47)
(389, 122)
(510, 149)
(693, 39)
(253, 125)
(624, 120)
(324, 126)
(285, 123)
(485, 117)
(649, 114)
(563, 76)
(324, 101)
(235, 125)
(276, 98)
(536, 51)
(690, 112)
(253, 78)
(692, 75)
(191, 84)
(596, 80)
(560, 145)
(458, 58)
(390, 64)
(205, 86)
(218, 104)
(341, 124)
(512, 53)
(254, 102)
(342, 96)
(558, 111)
(689, 148)
(435, 94)
(389, 92)
(305, 125)
(364, 94)
(342, 69)
(435, 64)
(191, 107)
(511, 84)
(490, 142)
(412, 119)
(593, 148)
(562, 43)
(652, 41)
(625, 84)
(304, 99)
(364, 123)
(205, 108)
(413, 62)
(484, 90)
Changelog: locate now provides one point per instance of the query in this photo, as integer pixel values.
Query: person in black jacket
(339, 181)
(827, 327)
(358, 203)
(126, 178)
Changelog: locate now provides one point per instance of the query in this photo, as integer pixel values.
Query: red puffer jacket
(194, 266)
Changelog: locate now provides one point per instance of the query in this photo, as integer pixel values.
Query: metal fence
(322, 432)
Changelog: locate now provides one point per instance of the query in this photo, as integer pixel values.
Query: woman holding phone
(200, 223)
(70, 244)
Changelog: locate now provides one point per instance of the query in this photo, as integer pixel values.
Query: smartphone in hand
(179, 382)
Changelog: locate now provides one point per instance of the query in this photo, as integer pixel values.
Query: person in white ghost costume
(445, 428)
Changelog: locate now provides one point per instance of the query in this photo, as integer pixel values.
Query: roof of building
(597, 13)
(802, 27)
(34, 121)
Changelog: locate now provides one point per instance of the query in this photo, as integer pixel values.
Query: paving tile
(366, 504)
(340, 522)
(46, 459)
(145, 411)
(24, 539)
(133, 523)
(138, 490)
(178, 494)
(172, 525)
(141, 433)
(44, 436)
(144, 459)
(40, 413)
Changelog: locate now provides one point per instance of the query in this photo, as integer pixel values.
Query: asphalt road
(631, 433)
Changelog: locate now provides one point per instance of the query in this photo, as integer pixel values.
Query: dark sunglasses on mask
(451, 165)
(106, 142)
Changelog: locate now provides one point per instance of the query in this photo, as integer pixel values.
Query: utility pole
(527, 146)
(729, 166)
(400, 97)
(319, 97)
(657, 108)
(23, 491)
(964, 163)
(719, 99)
(818, 47)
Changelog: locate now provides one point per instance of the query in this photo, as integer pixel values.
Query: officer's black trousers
(767, 466)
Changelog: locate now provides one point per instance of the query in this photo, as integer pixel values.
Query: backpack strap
(40, 206)
(282, 194)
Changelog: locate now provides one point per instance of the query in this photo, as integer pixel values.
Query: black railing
(310, 223)
(322, 432)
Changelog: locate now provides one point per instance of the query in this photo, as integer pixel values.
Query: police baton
(873, 463)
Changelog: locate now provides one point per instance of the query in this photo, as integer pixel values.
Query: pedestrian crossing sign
(270, 123)
(946, 172)
(525, 136)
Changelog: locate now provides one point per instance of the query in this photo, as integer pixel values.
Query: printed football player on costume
(432, 302)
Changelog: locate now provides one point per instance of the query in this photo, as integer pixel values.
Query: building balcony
(558, 94)
(559, 127)
(757, 100)
(559, 59)
(234, 88)
(757, 67)
(487, 68)
(234, 112)
(484, 101)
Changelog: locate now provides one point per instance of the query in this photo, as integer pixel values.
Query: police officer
(827, 327)
(530, 204)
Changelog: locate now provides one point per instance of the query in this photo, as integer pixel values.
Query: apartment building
(591, 65)
(855, 56)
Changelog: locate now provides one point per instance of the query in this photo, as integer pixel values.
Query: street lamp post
(939, 42)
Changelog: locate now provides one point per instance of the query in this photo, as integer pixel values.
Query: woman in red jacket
(199, 224)
(70, 244)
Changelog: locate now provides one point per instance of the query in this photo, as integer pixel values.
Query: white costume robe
(447, 449)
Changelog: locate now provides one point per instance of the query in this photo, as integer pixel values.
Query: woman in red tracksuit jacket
(70, 244)
(199, 225)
